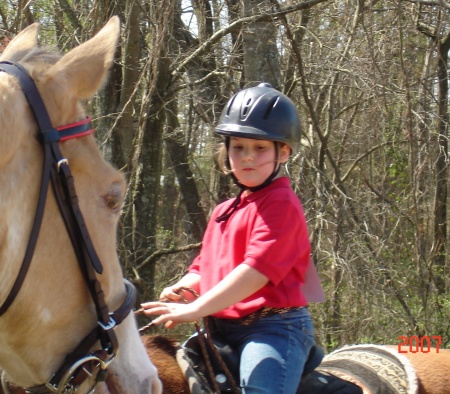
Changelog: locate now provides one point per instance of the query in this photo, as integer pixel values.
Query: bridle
(82, 362)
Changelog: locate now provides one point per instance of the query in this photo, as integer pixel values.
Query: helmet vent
(270, 107)
(230, 104)
(246, 107)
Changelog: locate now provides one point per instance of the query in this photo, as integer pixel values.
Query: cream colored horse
(53, 310)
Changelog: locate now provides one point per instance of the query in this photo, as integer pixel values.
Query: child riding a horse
(255, 252)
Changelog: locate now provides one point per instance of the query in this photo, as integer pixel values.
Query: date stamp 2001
(415, 344)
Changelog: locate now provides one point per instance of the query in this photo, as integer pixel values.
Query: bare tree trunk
(125, 126)
(420, 170)
(208, 102)
(261, 60)
(177, 149)
(439, 251)
(109, 98)
(441, 193)
(147, 171)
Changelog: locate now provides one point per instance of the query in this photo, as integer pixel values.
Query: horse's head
(53, 310)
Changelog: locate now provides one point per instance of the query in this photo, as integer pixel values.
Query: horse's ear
(85, 67)
(21, 44)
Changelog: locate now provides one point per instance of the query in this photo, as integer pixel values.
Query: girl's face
(253, 161)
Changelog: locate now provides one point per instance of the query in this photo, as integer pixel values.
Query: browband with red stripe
(77, 129)
(49, 134)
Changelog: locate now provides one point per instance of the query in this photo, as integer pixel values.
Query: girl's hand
(171, 314)
(172, 294)
(185, 290)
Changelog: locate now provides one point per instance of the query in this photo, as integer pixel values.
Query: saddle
(226, 367)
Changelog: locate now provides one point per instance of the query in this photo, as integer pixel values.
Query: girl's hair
(221, 156)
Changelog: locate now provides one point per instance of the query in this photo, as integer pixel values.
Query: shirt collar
(279, 183)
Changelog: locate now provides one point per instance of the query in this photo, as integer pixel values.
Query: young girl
(255, 251)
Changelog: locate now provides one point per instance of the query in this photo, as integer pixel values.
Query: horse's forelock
(36, 61)
(56, 95)
(39, 56)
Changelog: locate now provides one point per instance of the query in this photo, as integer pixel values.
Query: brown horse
(52, 309)
(430, 371)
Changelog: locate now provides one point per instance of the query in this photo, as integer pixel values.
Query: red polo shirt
(267, 232)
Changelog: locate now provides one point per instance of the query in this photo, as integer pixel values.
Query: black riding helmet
(264, 113)
(261, 112)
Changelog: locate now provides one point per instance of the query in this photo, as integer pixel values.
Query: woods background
(370, 79)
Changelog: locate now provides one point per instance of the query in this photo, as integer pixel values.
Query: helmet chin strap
(230, 210)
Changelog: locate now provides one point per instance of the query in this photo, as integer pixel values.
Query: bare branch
(437, 3)
(364, 155)
(162, 252)
(216, 37)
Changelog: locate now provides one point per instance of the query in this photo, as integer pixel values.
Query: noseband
(82, 362)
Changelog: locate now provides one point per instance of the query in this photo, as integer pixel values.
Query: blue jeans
(273, 350)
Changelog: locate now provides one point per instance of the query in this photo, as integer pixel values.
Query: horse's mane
(162, 351)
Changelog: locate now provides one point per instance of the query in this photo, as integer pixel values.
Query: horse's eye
(114, 198)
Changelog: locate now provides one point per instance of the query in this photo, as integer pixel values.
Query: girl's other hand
(170, 313)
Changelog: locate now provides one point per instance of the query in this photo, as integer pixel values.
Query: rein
(81, 363)
(206, 342)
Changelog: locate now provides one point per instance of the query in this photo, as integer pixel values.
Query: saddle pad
(378, 369)
(197, 383)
